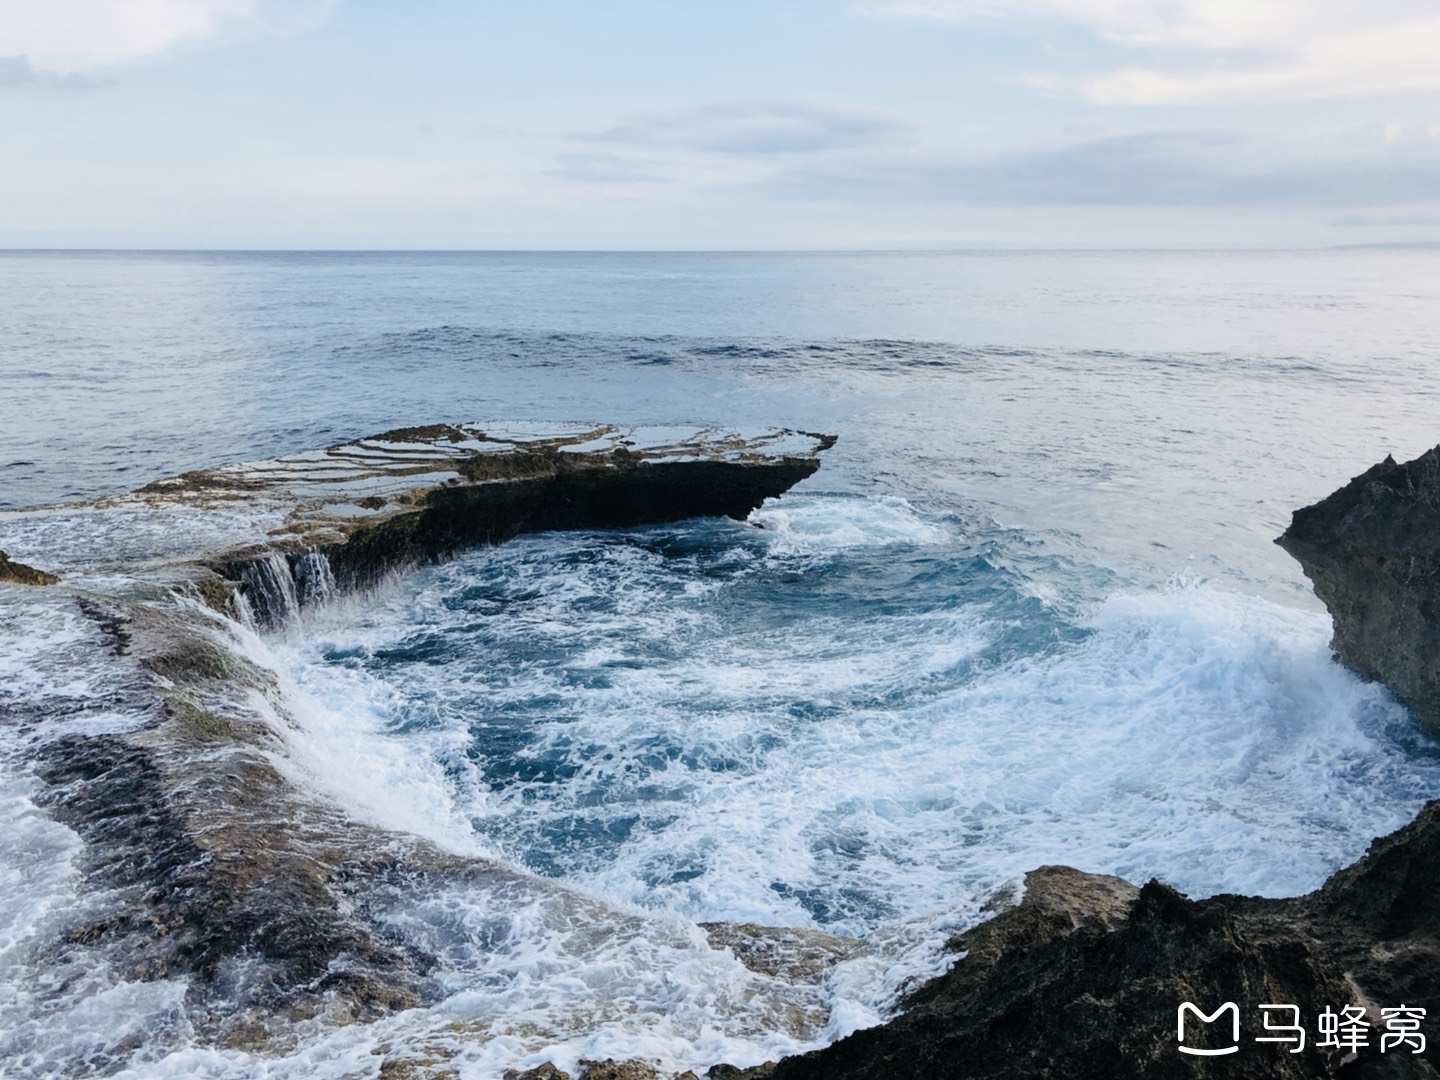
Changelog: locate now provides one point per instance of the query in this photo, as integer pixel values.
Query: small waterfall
(275, 587)
(244, 612)
(314, 580)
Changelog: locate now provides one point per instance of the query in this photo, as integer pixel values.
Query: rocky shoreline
(206, 864)
(1084, 976)
(273, 907)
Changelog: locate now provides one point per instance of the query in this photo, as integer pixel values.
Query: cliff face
(1372, 551)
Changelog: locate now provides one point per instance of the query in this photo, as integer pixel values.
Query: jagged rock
(1372, 552)
(267, 902)
(543, 1071)
(19, 574)
(424, 1069)
(1084, 977)
(610, 1069)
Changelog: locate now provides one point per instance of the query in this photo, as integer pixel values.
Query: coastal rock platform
(203, 864)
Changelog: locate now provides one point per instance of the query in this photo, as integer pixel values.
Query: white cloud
(1378, 60)
(753, 128)
(80, 36)
(1267, 49)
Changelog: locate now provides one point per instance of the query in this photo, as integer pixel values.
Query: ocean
(1029, 610)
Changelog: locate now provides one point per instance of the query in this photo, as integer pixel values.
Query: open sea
(1027, 612)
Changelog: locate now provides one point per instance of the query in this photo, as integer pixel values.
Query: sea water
(1027, 612)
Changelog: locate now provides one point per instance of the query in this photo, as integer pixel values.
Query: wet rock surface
(17, 573)
(1372, 552)
(796, 954)
(227, 877)
(415, 495)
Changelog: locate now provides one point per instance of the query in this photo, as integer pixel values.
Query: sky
(812, 124)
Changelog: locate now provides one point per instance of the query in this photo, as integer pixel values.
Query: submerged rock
(610, 1069)
(545, 1071)
(19, 574)
(795, 954)
(1372, 552)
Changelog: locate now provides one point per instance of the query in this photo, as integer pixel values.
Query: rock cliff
(1372, 551)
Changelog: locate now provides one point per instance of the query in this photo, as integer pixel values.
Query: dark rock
(609, 1069)
(556, 495)
(1084, 977)
(1372, 552)
(545, 1071)
(18, 573)
(417, 495)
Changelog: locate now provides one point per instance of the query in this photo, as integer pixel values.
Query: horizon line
(996, 249)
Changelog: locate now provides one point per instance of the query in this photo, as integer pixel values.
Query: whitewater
(1027, 613)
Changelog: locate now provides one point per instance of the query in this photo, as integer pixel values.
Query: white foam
(878, 771)
(829, 524)
(1193, 734)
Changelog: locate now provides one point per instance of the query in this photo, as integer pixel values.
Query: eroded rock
(543, 1071)
(17, 573)
(207, 866)
(1372, 552)
(609, 1069)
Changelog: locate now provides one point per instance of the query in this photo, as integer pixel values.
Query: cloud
(603, 169)
(17, 71)
(1165, 169)
(1378, 60)
(750, 129)
(68, 37)
(1388, 221)
(1269, 49)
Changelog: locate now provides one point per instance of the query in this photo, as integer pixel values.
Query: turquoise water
(1029, 610)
